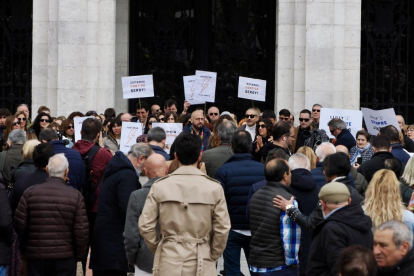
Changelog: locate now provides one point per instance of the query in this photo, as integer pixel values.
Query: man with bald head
(197, 127)
(136, 249)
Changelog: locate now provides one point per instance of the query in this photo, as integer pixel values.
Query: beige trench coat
(191, 212)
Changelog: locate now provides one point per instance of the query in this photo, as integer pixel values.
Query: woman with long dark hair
(112, 140)
(264, 129)
(41, 122)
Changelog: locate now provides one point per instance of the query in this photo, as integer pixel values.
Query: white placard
(189, 90)
(205, 86)
(172, 130)
(77, 124)
(376, 119)
(129, 134)
(138, 87)
(252, 89)
(353, 119)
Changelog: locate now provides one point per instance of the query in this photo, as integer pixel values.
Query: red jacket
(98, 165)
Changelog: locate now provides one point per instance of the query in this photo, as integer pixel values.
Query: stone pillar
(318, 54)
(74, 55)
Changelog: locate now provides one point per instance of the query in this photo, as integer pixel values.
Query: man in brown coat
(191, 212)
(52, 224)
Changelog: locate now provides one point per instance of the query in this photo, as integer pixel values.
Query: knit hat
(334, 192)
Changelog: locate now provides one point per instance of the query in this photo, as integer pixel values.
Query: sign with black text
(138, 87)
(352, 118)
(376, 119)
(189, 82)
(252, 89)
(205, 86)
(129, 134)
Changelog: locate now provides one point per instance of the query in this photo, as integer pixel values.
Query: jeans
(3, 270)
(291, 271)
(231, 254)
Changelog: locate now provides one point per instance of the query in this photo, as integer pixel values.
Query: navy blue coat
(206, 134)
(400, 153)
(345, 138)
(120, 180)
(76, 170)
(237, 175)
(160, 150)
(305, 190)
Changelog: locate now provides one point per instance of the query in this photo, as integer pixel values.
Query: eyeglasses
(44, 120)
(211, 114)
(284, 118)
(262, 126)
(316, 110)
(304, 119)
(15, 123)
(69, 127)
(251, 116)
(161, 119)
(21, 119)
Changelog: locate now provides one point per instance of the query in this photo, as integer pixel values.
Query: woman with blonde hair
(407, 181)
(383, 200)
(310, 154)
(27, 166)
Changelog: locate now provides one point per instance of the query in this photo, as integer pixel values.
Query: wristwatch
(289, 206)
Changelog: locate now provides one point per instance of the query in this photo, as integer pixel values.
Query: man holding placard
(338, 128)
(197, 127)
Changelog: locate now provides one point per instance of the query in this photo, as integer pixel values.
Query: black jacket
(345, 138)
(405, 267)
(266, 247)
(6, 228)
(369, 168)
(120, 180)
(305, 190)
(345, 227)
(24, 168)
(39, 176)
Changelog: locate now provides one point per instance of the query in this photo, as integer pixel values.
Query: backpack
(88, 189)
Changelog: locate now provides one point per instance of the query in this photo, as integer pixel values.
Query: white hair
(324, 150)
(57, 165)
(299, 161)
(401, 232)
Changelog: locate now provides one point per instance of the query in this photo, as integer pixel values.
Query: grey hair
(299, 161)
(57, 165)
(317, 105)
(403, 120)
(226, 130)
(156, 134)
(337, 123)
(17, 136)
(255, 110)
(140, 149)
(325, 149)
(401, 232)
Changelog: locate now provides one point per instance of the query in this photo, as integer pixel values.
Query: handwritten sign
(352, 118)
(138, 87)
(172, 130)
(376, 119)
(78, 121)
(129, 134)
(189, 82)
(205, 86)
(252, 89)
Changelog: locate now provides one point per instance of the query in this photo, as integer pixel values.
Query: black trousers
(52, 267)
(91, 220)
(109, 273)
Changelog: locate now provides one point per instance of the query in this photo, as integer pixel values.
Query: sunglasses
(251, 116)
(262, 126)
(304, 119)
(15, 123)
(161, 119)
(332, 131)
(44, 120)
(316, 110)
(211, 114)
(69, 127)
(21, 119)
(284, 118)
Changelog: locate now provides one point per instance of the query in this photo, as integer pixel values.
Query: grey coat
(135, 246)
(215, 158)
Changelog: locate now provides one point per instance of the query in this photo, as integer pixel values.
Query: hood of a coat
(83, 146)
(353, 216)
(302, 180)
(118, 162)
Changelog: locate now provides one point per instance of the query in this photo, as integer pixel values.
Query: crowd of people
(296, 201)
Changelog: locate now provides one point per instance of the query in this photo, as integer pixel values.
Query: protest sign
(138, 87)
(189, 90)
(353, 119)
(376, 119)
(205, 86)
(77, 125)
(252, 89)
(172, 130)
(129, 134)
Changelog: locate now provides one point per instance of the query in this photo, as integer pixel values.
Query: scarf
(201, 136)
(358, 153)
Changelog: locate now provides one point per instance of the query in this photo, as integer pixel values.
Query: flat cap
(334, 193)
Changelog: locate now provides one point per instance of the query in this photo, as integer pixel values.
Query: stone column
(74, 55)
(318, 54)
